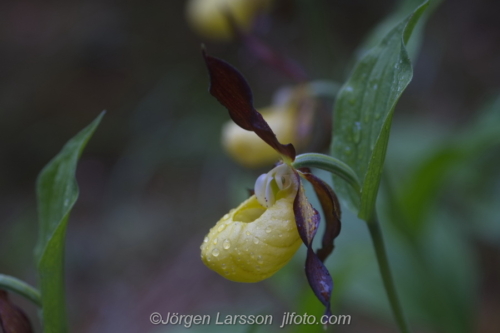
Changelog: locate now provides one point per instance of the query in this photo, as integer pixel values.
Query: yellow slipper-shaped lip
(252, 242)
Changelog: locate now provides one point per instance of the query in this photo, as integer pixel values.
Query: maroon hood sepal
(232, 90)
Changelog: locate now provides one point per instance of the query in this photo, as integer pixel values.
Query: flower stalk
(385, 271)
(21, 288)
(342, 170)
(330, 164)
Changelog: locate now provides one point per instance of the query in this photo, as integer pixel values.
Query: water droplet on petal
(215, 241)
(205, 240)
(215, 252)
(225, 217)
(255, 241)
(268, 230)
(220, 228)
(226, 244)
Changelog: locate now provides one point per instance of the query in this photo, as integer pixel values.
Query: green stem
(385, 271)
(21, 288)
(342, 170)
(330, 164)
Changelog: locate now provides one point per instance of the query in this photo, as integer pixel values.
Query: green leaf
(57, 192)
(403, 9)
(458, 152)
(364, 109)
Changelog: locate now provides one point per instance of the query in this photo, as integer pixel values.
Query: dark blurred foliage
(154, 179)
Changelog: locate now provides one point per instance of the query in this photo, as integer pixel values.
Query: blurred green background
(154, 178)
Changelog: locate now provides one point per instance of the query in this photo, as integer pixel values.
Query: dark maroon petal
(306, 217)
(331, 210)
(232, 90)
(319, 278)
(12, 319)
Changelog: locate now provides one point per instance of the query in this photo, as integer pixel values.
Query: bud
(248, 149)
(210, 17)
(252, 242)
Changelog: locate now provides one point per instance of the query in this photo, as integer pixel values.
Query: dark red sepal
(12, 318)
(307, 219)
(331, 211)
(232, 90)
(319, 279)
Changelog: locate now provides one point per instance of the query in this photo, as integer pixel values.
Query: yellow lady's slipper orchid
(255, 240)
(210, 17)
(248, 149)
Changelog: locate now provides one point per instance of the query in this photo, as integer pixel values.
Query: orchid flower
(255, 240)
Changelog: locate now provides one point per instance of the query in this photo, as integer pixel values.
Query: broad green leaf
(364, 109)
(57, 192)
